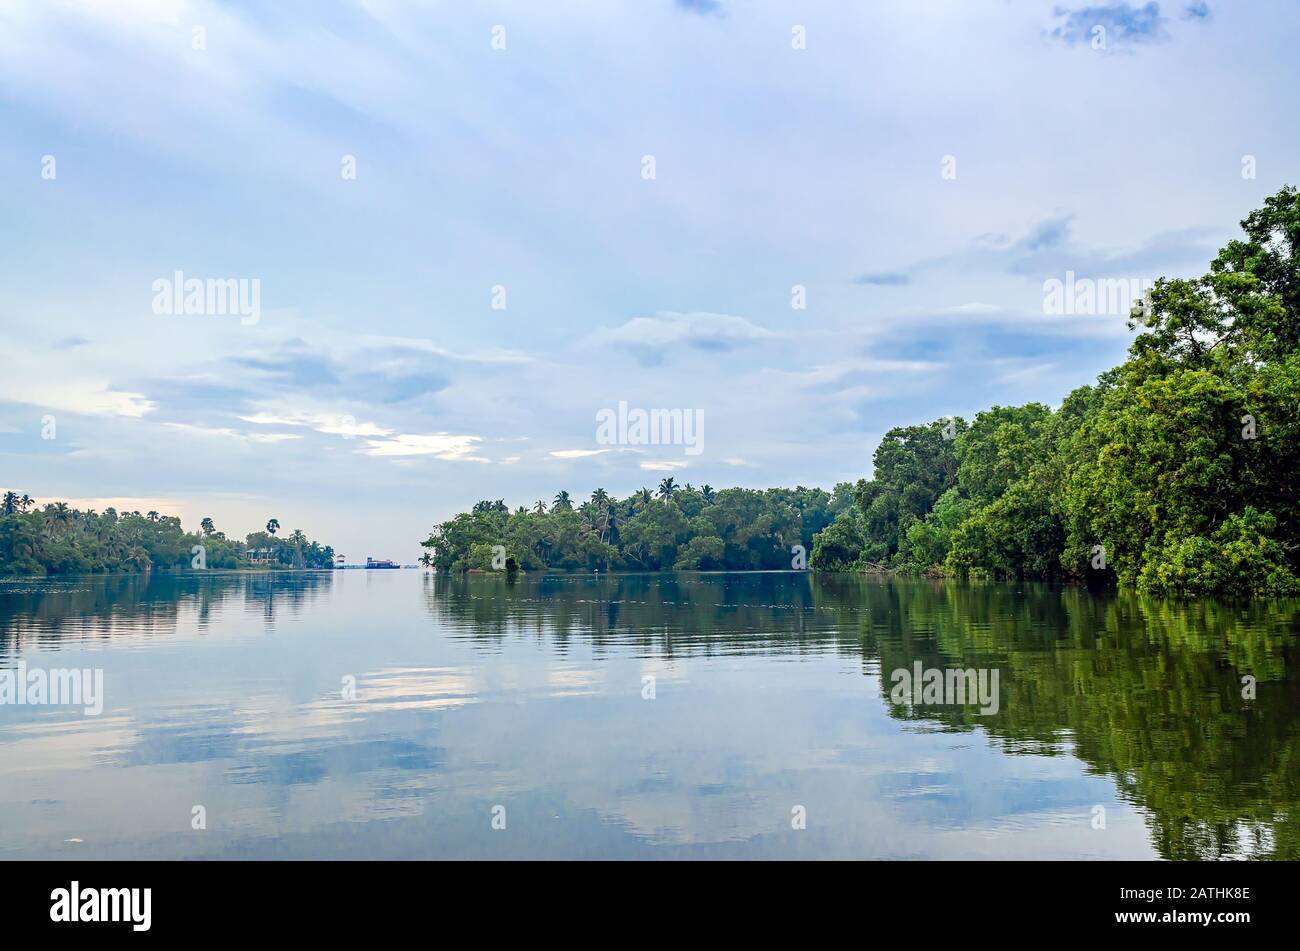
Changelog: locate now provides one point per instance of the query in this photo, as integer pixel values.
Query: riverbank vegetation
(56, 539)
(672, 527)
(1176, 472)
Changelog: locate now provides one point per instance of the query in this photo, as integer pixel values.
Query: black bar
(365, 900)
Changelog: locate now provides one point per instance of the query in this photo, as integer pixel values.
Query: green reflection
(1146, 691)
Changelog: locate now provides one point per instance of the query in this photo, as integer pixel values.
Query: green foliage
(1240, 558)
(57, 539)
(914, 465)
(929, 540)
(1179, 468)
(839, 546)
(1144, 690)
(676, 527)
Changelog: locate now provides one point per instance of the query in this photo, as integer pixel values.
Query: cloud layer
(446, 324)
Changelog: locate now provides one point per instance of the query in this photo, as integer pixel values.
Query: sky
(473, 227)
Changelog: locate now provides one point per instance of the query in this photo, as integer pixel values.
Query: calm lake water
(643, 716)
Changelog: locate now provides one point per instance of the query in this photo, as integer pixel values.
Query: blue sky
(380, 391)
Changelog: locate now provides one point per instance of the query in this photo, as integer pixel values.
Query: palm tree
(612, 519)
(641, 498)
(563, 501)
(666, 488)
(706, 490)
(59, 514)
(600, 504)
(10, 504)
(272, 526)
(206, 526)
(152, 516)
(138, 559)
(25, 503)
(539, 507)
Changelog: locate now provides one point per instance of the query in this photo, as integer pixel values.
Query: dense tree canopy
(1177, 472)
(58, 539)
(676, 527)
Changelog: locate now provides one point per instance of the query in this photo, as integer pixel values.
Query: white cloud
(333, 424)
(698, 330)
(396, 325)
(835, 372)
(227, 433)
(577, 453)
(662, 466)
(448, 446)
(84, 397)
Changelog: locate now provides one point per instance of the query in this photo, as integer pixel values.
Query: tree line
(675, 527)
(1175, 473)
(56, 539)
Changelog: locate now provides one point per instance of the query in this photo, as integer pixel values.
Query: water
(524, 702)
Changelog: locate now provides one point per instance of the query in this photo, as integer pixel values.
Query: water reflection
(383, 714)
(1148, 692)
(49, 614)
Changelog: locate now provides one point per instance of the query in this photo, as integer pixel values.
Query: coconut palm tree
(599, 517)
(25, 503)
(138, 559)
(563, 501)
(10, 504)
(613, 519)
(666, 488)
(206, 525)
(58, 515)
(272, 526)
(641, 498)
(706, 490)
(539, 507)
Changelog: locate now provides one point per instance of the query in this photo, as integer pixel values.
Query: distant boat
(381, 563)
